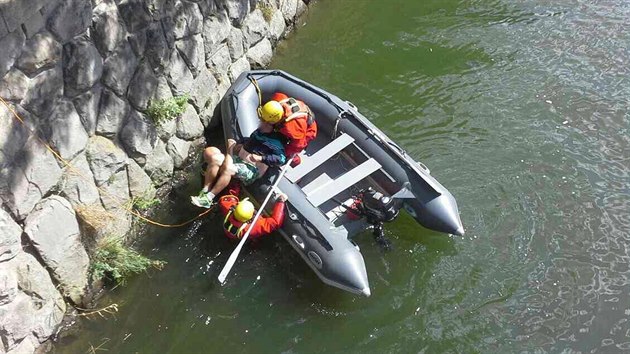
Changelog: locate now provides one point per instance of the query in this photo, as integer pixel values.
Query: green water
(520, 109)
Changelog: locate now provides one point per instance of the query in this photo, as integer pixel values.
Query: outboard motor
(377, 208)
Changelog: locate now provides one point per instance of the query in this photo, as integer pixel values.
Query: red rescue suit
(235, 229)
(298, 123)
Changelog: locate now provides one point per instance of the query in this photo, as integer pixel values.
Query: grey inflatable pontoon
(349, 157)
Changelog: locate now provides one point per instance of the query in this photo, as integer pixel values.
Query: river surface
(520, 109)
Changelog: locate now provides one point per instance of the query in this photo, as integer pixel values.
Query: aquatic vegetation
(116, 262)
(166, 109)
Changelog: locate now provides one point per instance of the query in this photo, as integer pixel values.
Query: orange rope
(72, 168)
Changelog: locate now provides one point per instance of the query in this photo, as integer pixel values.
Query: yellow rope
(78, 172)
(253, 80)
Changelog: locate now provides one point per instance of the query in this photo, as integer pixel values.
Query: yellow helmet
(244, 210)
(271, 112)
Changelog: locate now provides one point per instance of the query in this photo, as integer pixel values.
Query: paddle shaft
(230, 262)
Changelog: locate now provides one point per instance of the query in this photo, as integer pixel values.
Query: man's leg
(226, 172)
(214, 159)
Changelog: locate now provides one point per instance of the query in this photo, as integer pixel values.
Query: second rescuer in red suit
(264, 225)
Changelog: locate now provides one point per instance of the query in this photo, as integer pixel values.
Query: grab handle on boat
(352, 105)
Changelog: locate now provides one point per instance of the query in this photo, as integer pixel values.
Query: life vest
(232, 227)
(296, 109)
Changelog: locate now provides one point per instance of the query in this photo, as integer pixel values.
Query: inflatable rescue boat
(352, 177)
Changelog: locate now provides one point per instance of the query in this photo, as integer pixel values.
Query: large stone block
(202, 89)
(179, 76)
(8, 286)
(254, 28)
(11, 48)
(25, 180)
(43, 90)
(70, 18)
(119, 69)
(158, 49)
(115, 191)
(34, 24)
(186, 20)
(216, 28)
(135, 14)
(220, 61)
(87, 105)
(140, 184)
(159, 165)
(235, 43)
(37, 309)
(142, 86)
(260, 55)
(107, 28)
(67, 134)
(16, 12)
(112, 113)
(10, 234)
(14, 85)
(277, 26)
(178, 149)
(192, 51)
(237, 10)
(138, 135)
(53, 230)
(77, 183)
(238, 67)
(104, 158)
(82, 66)
(189, 126)
(40, 52)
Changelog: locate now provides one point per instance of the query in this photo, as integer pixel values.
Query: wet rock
(77, 183)
(193, 53)
(104, 158)
(178, 149)
(259, 56)
(189, 126)
(87, 105)
(159, 165)
(138, 135)
(10, 233)
(53, 231)
(40, 52)
(11, 47)
(107, 28)
(70, 18)
(112, 113)
(119, 69)
(67, 134)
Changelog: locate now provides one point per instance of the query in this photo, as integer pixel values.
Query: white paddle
(230, 262)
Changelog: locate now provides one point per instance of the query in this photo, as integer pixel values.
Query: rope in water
(83, 176)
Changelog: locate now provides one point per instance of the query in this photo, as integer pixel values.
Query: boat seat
(325, 191)
(309, 163)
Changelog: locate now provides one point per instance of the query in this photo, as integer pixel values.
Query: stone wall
(81, 75)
